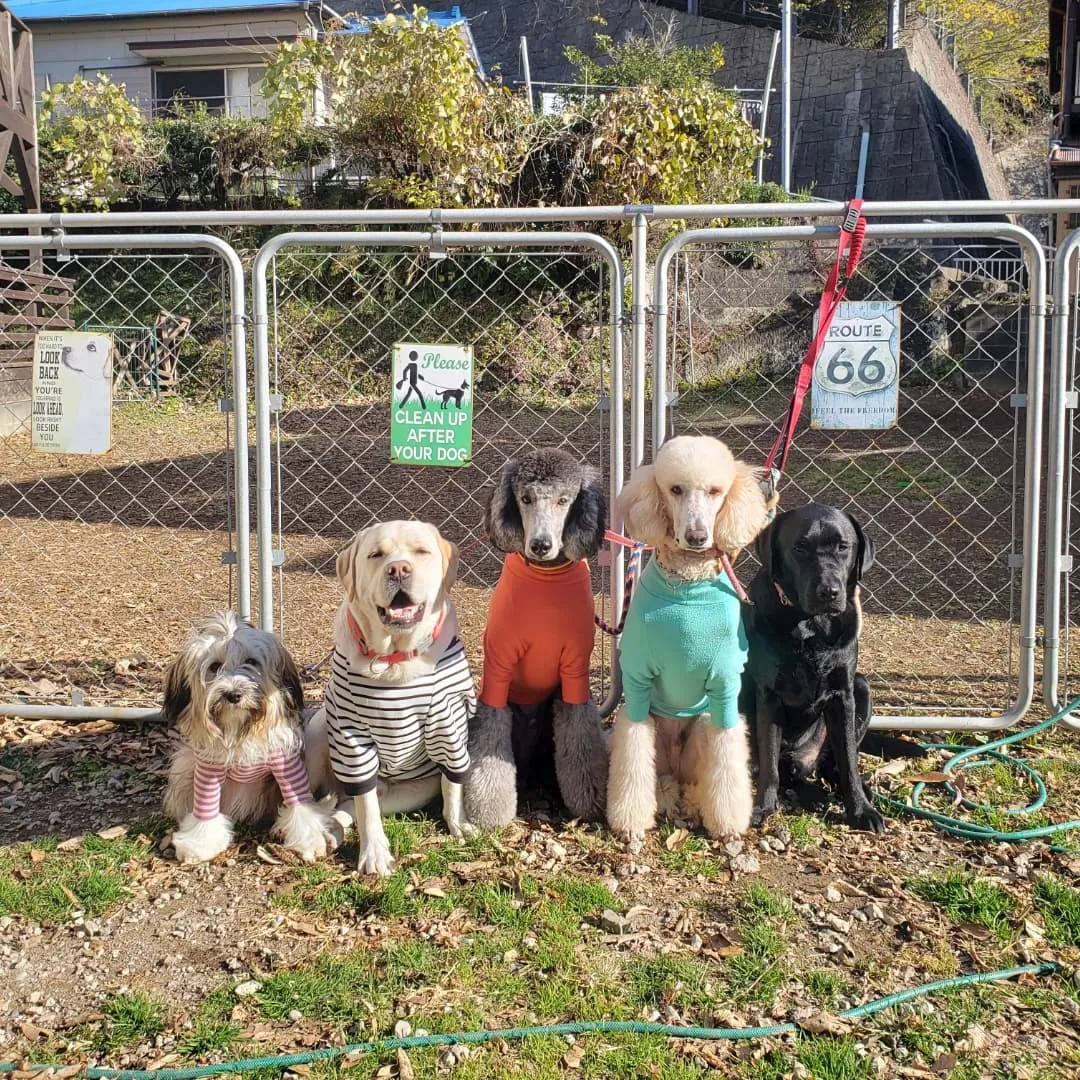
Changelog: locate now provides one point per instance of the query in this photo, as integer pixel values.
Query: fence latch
(1018, 401)
(228, 558)
(277, 557)
(225, 405)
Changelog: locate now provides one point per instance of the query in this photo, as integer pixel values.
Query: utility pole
(785, 94)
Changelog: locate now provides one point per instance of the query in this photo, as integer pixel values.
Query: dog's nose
(232, 697)
(829, 592)
(697, 536)
(399, 570)
(540, 545)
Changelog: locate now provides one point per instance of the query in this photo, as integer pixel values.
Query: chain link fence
(105, 560)
(540, 326)
(940, 492)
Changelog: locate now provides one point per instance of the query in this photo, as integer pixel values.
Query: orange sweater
(539, 634)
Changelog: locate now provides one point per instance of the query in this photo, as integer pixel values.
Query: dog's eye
(421, 551)
(376, 554)
(713, 492)
(526, 500)
(676, 490)
(214, 668)
(563, 500)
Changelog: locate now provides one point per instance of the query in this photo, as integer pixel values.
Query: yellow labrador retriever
(395, 725)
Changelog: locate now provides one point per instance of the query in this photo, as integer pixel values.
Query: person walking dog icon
(411, 373)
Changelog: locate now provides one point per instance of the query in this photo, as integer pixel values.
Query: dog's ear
(864, 556)
(450, 560)
(767, 549)
(502, 519)
(290, 680)
(583, 530)
(177, 692)
(346, 568)
(642, 508)
(743, 513)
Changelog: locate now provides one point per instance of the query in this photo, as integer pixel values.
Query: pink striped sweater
(287, 769)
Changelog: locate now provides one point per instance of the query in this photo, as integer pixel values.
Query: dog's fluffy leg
(491, 786)
(200, 841)
(180, 790)
(725, 794)
(631, 801)
(309, 829)
(453, 809)
(581, 759)
(374, 849)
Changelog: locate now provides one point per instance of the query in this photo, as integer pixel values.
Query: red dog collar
(394, 657)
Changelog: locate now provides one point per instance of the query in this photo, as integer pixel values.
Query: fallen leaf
(386, 1071)
(930, 778)
(161, 1062)
(265, 856)
(825, 1024)
(113, 833)
(404, 1065)
(32, 1032)
(574, 1056)
(70, 895)
(980, 933)
(9, 776)
(72, 844)
(846, 889)
(299, 1070)
(892, 768)
(675, 838)
(36, 855)
(1034, 930)
(300, 927)
(725, 952)
(434, 890)
(944, 1064)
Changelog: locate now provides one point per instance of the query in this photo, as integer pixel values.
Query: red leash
(850, 243)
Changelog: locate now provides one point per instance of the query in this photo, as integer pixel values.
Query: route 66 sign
(857, 376)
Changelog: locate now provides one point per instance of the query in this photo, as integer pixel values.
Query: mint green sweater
(683, 649)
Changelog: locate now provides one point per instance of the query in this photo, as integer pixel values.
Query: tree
(408, 109)
(93, 143)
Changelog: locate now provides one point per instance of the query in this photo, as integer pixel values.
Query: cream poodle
(679, 745)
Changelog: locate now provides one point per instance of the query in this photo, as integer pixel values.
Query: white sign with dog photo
(857, 377)
(71, 410)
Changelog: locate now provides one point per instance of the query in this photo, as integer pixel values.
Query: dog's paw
(866, 819)
(200, 841)
(461, 829)
(763, 811)
(375, 858)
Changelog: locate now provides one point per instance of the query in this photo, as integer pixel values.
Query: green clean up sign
(431, 396)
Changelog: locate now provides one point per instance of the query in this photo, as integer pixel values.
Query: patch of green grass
(933, 1033)
(691, 857)
(805, 829)
(763, 918)
(968, 899)
(211, 1030)
(23, 763)
(825, 987)
(130, 1019)
(668, 979)
(38, 882)
(821, 1059)
(1059, 906)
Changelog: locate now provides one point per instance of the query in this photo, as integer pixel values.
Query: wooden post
(18, 121)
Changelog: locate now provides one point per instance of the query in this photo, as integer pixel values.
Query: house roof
(31, 11)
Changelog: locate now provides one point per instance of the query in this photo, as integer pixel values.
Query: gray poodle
(536, 723)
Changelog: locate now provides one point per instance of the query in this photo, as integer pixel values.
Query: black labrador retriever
(806, 703)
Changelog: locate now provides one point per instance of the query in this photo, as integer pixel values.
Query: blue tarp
(35, 10)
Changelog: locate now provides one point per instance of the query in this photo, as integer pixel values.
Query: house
(1065, 135)
(211, 51)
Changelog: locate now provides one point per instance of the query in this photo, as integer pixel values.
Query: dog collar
(783, 595)
(394, 657)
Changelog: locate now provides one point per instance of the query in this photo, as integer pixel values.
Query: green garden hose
(976, 757)
(598, 1027)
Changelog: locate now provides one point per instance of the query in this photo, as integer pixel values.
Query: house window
(206, 85)
(1072, 191)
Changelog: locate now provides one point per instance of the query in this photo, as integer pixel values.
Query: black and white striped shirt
(383, 730)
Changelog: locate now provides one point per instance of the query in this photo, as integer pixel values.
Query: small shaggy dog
(683, 648)
(234, 694)
(536, 721)
(395, 726)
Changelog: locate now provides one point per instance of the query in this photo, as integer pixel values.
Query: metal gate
(543, 312)
(106, 560)
(950, 495)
